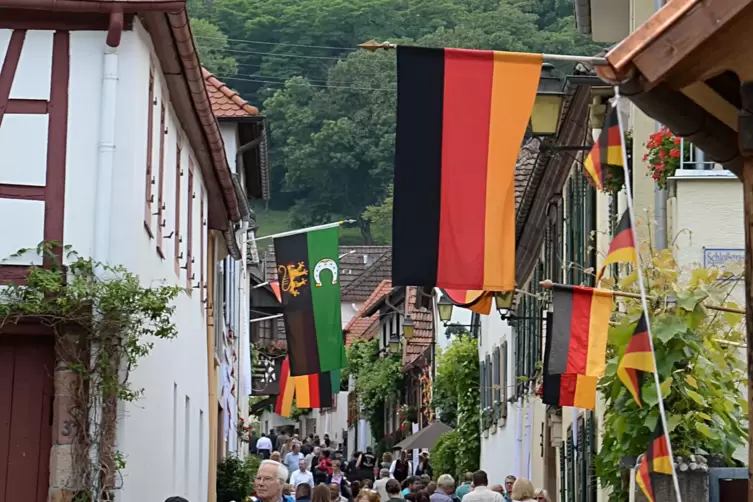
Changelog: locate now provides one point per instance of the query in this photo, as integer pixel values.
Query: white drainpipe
(105, 158)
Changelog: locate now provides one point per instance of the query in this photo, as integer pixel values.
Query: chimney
(367, 260)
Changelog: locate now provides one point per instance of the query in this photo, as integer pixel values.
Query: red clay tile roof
(225, 101)
(361, 327)
(423, 334)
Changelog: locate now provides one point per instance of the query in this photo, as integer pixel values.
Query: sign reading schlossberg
(727, 259)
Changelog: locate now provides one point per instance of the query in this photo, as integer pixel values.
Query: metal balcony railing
(694, 158)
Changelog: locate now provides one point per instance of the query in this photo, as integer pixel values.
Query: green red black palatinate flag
(461, 118)
(308, 271)
(655, 462)
(607, 151)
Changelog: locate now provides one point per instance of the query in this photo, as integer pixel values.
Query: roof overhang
(684, 66)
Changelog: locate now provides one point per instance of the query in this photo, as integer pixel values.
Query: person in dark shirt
(401, 468)
(350, 470)
(273, 437)
(366, 464)
(424, 467)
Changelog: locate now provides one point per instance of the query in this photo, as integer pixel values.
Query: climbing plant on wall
(104, 322)
(701, 369)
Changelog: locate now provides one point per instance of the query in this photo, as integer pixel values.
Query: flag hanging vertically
(607, 151)
(475, 301)
(636, 360)
(284, 402)
(655, 462)
(313, 391)
(307, 267)
(461, 118)
(579, 330)
(566, 390)
(622, 249)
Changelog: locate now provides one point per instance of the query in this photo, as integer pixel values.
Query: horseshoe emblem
(325, 264)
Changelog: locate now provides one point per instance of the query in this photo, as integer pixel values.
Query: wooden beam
(685, 36)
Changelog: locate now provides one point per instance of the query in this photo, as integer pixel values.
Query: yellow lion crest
(292, 277)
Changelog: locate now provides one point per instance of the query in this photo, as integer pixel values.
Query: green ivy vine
(456, 399)
(376, 378)
(700, 370)
(104, 322)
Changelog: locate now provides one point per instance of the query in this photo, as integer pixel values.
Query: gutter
(96, 6)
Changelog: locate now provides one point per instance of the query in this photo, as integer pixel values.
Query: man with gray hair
(445, 489)
(380, 486)
(270, 480)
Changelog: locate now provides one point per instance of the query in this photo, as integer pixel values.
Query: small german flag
(284, 402)
(607, 151)
(579, 330)
(461, 118)
(656, 461)
(622, 249)
(565, 390)
(313, 391)
(636, 360)
(475, 301)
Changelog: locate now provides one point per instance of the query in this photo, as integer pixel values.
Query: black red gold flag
(475, 301)
(313, 391)
(284, 402)
(568, 389)
(638, 359)
(579, 330)
(461, 118)
(622, 249)
(308, 271)
(655, 462)
(607, 151)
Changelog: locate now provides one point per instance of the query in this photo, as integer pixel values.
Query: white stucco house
(111, 145)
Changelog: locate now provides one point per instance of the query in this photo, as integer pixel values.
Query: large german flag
(461, 118)
(313, 391)
(622, 249)
(308, 272)
(566, 390)
(284, 402)
(656, 462)
(607, 151)
(637, 359)
(475, 301)
(579, 330)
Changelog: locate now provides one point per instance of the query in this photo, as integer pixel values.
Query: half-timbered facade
(110, 145)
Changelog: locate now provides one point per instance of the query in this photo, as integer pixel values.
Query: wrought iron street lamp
(444, 306)
(408, 327)
(394, 343)
(545, 116)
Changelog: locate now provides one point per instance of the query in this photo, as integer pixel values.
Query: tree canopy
(331, 107)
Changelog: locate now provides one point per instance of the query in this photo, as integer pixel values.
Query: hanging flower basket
(664, 156)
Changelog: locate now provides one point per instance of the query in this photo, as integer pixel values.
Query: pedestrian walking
(365, 464)
(481, 491)
(294, 457)
(424, 466)
(542, 495)
(463, 489)
(365, 496)
(303, 493)
(270, 481)
(401, 467)
(320, 493)
(393, 491)
(445, 489)
(301, 476)
(334, 493)
(509, 482)
(381, 485)
(264, 446)
(522, 491)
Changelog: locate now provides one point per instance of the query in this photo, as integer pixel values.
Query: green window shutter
(570, 466)
(489, 372)
(496, 383)
(503, 378)
(563, 473)
(591, 451)
(582, 461)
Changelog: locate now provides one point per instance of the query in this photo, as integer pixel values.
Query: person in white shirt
(481, 491)
(264, 446)
(301, 475)
(380, 486)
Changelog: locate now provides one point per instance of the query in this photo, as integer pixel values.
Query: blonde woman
(541, 495)
(276, 456)
(522, 490)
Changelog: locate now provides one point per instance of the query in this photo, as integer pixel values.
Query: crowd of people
(315, 470)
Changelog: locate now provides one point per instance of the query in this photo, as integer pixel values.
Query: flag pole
(373, 45)
(304, 230)
(265, 318)
(547, 284)
(644, 296)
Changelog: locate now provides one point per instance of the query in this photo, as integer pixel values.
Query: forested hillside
(331, 106)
